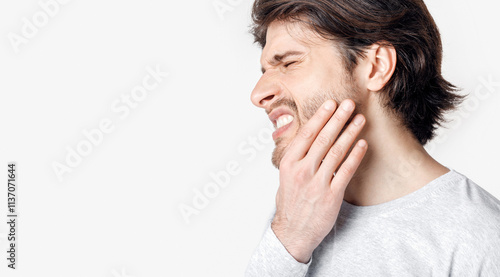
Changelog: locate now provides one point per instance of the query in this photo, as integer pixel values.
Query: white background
(117, 212)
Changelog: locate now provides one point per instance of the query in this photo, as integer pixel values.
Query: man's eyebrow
(279, 57)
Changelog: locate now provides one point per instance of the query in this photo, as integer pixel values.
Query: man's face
(301, 71)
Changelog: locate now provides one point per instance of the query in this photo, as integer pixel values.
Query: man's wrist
(297, 250)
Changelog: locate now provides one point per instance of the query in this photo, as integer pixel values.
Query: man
(355, 90)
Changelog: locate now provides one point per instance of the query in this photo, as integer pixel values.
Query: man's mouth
(282, 119)
(282, 124)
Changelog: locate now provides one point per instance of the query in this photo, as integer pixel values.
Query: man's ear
(380, 64)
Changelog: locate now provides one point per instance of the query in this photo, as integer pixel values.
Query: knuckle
(336, 151)
(350, 133)
(338, 117)
(324, 140)
(306, 133)
(347, 170)
(302, 175)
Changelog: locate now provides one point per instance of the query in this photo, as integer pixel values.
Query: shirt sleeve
(271, 259)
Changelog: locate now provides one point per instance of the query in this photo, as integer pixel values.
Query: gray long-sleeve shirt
(450, 227)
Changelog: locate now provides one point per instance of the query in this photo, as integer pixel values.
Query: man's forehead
(282, 37)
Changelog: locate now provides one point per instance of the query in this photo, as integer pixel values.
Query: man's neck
(395, 165)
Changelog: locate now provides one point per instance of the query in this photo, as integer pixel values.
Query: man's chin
(278, 152)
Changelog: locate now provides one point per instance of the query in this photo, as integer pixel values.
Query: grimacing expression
(300, 72)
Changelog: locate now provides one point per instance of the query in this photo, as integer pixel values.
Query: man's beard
(309, 108)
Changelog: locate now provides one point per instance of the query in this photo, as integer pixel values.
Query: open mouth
(283, 120)
(282, 124)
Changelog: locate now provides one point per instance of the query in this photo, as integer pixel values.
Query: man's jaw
(278, 152)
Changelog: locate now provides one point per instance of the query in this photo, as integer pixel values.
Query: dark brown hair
(417, 93)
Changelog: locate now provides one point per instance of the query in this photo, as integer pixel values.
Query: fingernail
(347, 106)
(358, 120)
(329, 105)
(361, 143)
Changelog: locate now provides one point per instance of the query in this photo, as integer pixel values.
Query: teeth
(283, 120)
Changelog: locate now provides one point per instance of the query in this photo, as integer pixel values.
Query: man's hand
(309, 196)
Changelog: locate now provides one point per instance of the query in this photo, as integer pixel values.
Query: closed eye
(290, 63)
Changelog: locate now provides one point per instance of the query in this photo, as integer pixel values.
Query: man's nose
(265, 92)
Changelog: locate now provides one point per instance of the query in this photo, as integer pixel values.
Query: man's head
(379, 52)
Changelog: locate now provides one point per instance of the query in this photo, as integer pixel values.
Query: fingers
(348, 168)
(327, 136)
(302, 142)
(338, 151)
